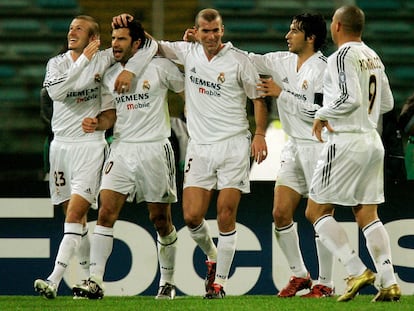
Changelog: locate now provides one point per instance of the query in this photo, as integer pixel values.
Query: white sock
(83, 254)
(325, 263)
(226, 248)
(288, 240)
(167, 248)
(201, 235)
(334, 237)
(68, 247)
(378, 244)
(101, 248)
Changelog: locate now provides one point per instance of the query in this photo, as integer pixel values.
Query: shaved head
(352, 19)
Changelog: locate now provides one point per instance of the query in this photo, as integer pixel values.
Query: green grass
(183, 303)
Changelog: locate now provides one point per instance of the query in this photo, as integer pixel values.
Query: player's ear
(136, 44)
(93, 38)
(311, 38)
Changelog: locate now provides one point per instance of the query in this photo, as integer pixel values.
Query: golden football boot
(354, 284)
(391, 293)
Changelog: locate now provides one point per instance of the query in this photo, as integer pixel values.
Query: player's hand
(93, 47)
(89, 125)
(190, 35)
(121, 20)
(259, 148)
(123, 82)
(268, 87)
(318, 126)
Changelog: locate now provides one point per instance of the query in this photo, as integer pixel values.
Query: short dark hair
(312, 25)
(136, 31)
(209, 15)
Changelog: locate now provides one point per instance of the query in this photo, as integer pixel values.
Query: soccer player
(73, 81)
(350, 169)
(297, 85)
(218, 80)
(141, 161)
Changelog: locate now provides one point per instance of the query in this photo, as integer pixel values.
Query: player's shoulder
(318, 61)
(162, 62)
(237, 55)
(158, 59)
(60, 58)
(320, 57)
(112, 71)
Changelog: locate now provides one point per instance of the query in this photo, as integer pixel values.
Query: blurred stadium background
(32, 31)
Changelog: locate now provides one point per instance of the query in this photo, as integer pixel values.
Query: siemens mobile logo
(206, 87)
(84, 95)
(132, 97)
(133, 106)
(132, 100)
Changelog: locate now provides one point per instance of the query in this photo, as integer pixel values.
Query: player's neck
(348, 38)
(211, 54)
(75, 55)
(303, 57)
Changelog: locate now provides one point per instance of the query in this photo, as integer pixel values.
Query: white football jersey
(356, 89)
(216, 91)
(142, 113)
(301, 94)
(74, 87)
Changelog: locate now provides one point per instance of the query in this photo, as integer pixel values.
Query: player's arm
(107, 117)
(136, 65)
(59, 82)
(105, 120)
(173, 77)
(259, 147)
(263, 63)
(347, 89)
(122, 20)
(190, 35)
(318, 126)
(387, 100)
(138, 62)
(268, 87)
(302, 106)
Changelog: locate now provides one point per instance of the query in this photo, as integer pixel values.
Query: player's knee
(281, 219)
(192, 221)
(310, 215)
(107, 216)
(160, 221)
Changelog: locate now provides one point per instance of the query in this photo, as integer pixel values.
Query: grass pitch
(184, 303)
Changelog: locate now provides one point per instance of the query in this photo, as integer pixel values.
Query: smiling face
(79, 35)
(210, 35)
(122, 46)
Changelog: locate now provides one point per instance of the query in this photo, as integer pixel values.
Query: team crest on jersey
(146, 85)
(221, 78)
(305, 85)
(98, 78)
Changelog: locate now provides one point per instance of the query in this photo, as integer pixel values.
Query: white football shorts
(75, 168)
(350, 171)
(297, 163)
(145, 171)
(220, 165)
